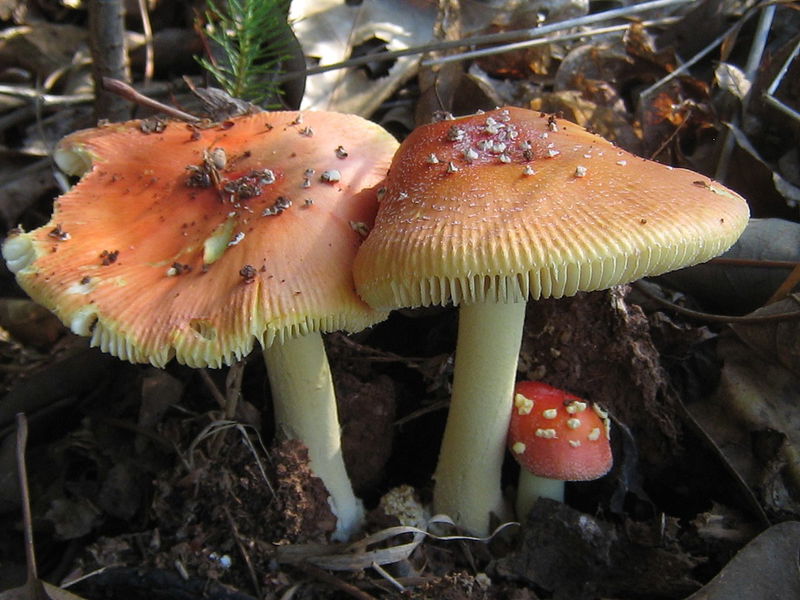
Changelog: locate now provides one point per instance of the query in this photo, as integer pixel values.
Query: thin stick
(784, 108)
(243, 551)
(754, 262)
(504, 36)
(786, 287)
(27, 521)
(712, 318)
(109, 56)
(149, 61)
(385, 574)
(539, 41)
(696, 58)
(126, 91)
(335, 582)
(45, 99)
(750, 71)
(212, 387)
(233, 389)
(769, 95)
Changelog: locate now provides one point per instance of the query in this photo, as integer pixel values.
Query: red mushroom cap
(193, 243)
(556, 435)
(510, 205)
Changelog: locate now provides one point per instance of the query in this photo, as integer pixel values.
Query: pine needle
(251, 36)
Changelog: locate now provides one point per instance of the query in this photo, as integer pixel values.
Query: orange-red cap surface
(512, 204)
(556, 435)
(193, 242)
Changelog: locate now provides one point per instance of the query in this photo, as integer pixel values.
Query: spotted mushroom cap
(556, 435)
(512, 204)
(193, 242)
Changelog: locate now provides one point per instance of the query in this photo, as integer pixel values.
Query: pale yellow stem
(305, 409)
(468, 474)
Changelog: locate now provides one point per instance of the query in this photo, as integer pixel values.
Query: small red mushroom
(555, 437)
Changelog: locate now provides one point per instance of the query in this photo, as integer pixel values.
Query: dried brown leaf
(766, 568)
(778, 340)
(732, 79)
(29, 323)
(754, 419)
(733, 289)
(41, 47)
(607, 119)
(329, 30)
(38, 590)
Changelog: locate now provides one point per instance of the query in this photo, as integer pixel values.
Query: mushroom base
(305, 410)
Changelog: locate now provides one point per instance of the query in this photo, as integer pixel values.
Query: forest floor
(141, 487)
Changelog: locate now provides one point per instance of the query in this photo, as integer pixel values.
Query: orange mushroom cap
(512, 204)
(556, 435)
(193, 242)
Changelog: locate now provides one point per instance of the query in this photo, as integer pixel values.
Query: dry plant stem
(336, 582)
(30, 95)
(702, 316)
(33, 95)
(388, 577)
(540, 41)
(531, 487)
(755, 262)
(769, 95)
(149, 64)
(468, 474)
(684, 67)
(109, 57)
(243, 551)
(491, 38)
(228, 403)
(212, 388)
(792, 279)
(750, 71)
(22, 471)
(305, 410)
(124, 90)
(233, 389)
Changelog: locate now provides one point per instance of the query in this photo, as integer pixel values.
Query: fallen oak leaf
(767, 567)
(332, 31)
(776, 340)
(38, 590)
